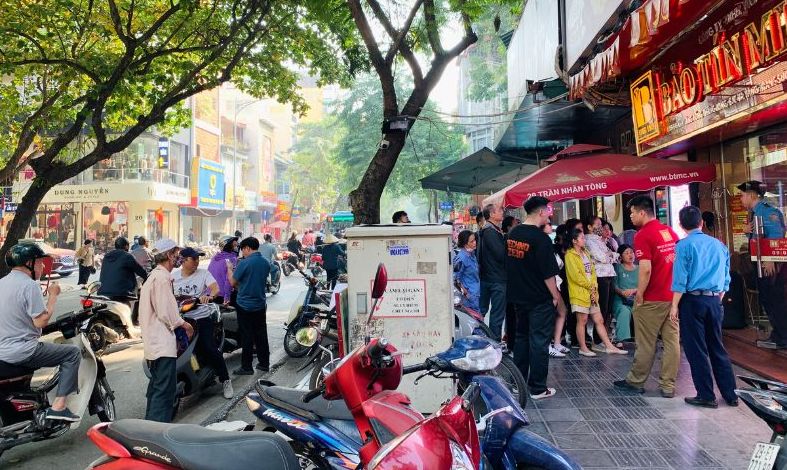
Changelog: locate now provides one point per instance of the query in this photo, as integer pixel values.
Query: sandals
(587, 353)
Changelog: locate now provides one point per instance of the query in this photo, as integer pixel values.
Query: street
(125, 374)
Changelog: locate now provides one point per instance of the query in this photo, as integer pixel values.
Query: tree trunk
(365, 199)
(25, 212)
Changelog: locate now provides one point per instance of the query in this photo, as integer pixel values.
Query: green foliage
(488, 58)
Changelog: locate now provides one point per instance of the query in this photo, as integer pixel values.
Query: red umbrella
(601, 174)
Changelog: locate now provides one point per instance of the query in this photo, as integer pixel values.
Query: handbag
(628, 301)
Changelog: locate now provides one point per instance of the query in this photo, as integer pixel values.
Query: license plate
(764, 456)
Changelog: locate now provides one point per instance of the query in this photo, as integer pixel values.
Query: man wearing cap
(191, 280)
(774, 275)
(159, 317)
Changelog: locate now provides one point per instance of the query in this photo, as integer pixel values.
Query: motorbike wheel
(286, 269)
(274, 287)
(315, 381)
(510, 374)
(107, 396)
(291, 346)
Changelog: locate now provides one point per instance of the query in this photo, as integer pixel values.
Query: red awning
(601, 174)
(577, 149)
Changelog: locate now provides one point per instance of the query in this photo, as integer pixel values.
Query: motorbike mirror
(307, 337)
(380, 282)
(93, 287)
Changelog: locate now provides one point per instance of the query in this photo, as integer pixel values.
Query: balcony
(128, 175)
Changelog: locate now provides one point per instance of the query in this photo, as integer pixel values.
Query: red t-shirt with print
(656, 242)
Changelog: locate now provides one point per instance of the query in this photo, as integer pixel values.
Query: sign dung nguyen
(700, 84)
(210, 189)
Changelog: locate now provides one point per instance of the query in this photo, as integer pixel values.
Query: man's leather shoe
(622, 384)
(697, 401)
(242, 371)
(262, 368)
(732, 402)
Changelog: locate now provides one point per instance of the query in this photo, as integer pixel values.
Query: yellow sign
(643, 107)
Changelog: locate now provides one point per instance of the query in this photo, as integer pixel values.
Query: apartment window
(480, 139)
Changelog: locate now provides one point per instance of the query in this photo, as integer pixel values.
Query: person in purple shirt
(218, 267)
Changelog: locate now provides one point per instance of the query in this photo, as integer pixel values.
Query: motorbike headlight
(479, 360)
(307, 336)
(459, 458)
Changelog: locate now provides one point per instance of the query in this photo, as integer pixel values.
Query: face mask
(598, 231)
(177, 261)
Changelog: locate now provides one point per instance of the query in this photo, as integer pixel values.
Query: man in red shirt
(654, 245)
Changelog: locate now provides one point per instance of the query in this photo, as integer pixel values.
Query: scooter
(192, 376)
(23, 406)
(321, 427)
(273, 283)
(768, 400)
(306, 307)
(117, 321)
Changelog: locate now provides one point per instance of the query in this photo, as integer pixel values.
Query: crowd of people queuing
(578, 285)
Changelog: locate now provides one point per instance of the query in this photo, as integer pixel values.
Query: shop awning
(601, 174)
(482, 172)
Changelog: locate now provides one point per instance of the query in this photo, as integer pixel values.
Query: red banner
(774, 249)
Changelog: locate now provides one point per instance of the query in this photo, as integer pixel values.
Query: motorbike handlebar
(312, 395)
(415, 368)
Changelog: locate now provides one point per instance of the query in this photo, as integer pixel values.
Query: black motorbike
(768, 400)
(193, 375)
(310, 303)
(23, 405)
(273, 283)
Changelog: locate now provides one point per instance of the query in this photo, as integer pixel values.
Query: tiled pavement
(603, 427)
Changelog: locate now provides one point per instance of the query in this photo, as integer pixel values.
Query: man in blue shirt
(249, 278)
(774, 275)
(700, 278)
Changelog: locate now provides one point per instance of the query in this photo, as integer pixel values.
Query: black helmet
(121, 243)
(223, 241)
(23, 253)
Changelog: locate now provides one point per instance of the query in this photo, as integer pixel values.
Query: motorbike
(192, 375)
(289, 261)
(314, 263)
(117, 321)
(273, 283)
(305, 309)
(362, 430)
(23, 405)
(768, 400)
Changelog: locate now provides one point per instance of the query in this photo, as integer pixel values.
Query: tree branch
(397, 41)
(68, 63)
(431, 28)
(117, 25)
(404, 48)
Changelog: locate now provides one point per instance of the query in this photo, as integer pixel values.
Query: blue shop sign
(210, 189)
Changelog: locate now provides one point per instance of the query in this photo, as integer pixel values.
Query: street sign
(447, 205)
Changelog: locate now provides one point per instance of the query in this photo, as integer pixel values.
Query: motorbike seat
(290, 399)
(192, 447)
(13, 373)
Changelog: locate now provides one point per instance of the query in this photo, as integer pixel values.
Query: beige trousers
(650, 319)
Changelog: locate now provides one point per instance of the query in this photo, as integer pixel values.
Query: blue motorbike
(324, 433)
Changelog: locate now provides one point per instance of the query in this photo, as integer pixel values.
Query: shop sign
(403, 298)
(773, 250)
(117, 192)
(210, 185)
(696, 86)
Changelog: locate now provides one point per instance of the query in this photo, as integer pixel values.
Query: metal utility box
(416, 312)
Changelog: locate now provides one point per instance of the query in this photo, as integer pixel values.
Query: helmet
(23, 253)
(223, 241)
(121, 243)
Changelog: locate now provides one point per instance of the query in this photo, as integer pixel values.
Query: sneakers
(562, 348)
(63, 415)
(554, 352)
(545, 394)
(229, 392)
(587, 353)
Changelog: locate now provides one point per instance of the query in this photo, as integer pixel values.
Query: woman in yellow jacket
(583, 293)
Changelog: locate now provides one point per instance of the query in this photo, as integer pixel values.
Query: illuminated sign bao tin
(727, 66)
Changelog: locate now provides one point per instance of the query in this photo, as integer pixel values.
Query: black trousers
(773, 300)
(84, 274)
(700, 332)
(331, 276)
(254, 334)
(535, 326)
(208, 351)
(162, 388)
(606, 293)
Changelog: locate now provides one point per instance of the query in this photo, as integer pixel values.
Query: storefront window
(104, 222)
(55, 224)
(158, 225)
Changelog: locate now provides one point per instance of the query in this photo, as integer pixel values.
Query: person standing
(626, 290)
(584, 295)
(159, 318)
(332, 254)
(86, 259)
(249, 278)
(491, 254)
(603, 259)
(466, 269)
(700, 279)
(771, 285)
(221, 265)
(142, 254)
(191, 237)
(532, 288)
(654, 246)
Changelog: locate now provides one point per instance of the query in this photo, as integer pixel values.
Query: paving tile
(577, 441)
(538, 428)
(569, 427)
(623, 441)
(565, 414)
(596, 414)
(551, 403)
(582, 392)
(565, 383)
(653, 426)
(640, 413)
(591, 402)
(571, 376)
(667, 441)
(593, 458)
(694, 458)
(611, 427)
(628, 401)
(639, 458)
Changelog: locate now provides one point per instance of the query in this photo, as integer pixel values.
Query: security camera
(384, 144)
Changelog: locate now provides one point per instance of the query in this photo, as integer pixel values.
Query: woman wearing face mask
(604, 259)
(221, 264)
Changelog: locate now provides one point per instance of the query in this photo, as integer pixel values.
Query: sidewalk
(603, 427)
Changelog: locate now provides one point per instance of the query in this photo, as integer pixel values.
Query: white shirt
(195, 285)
